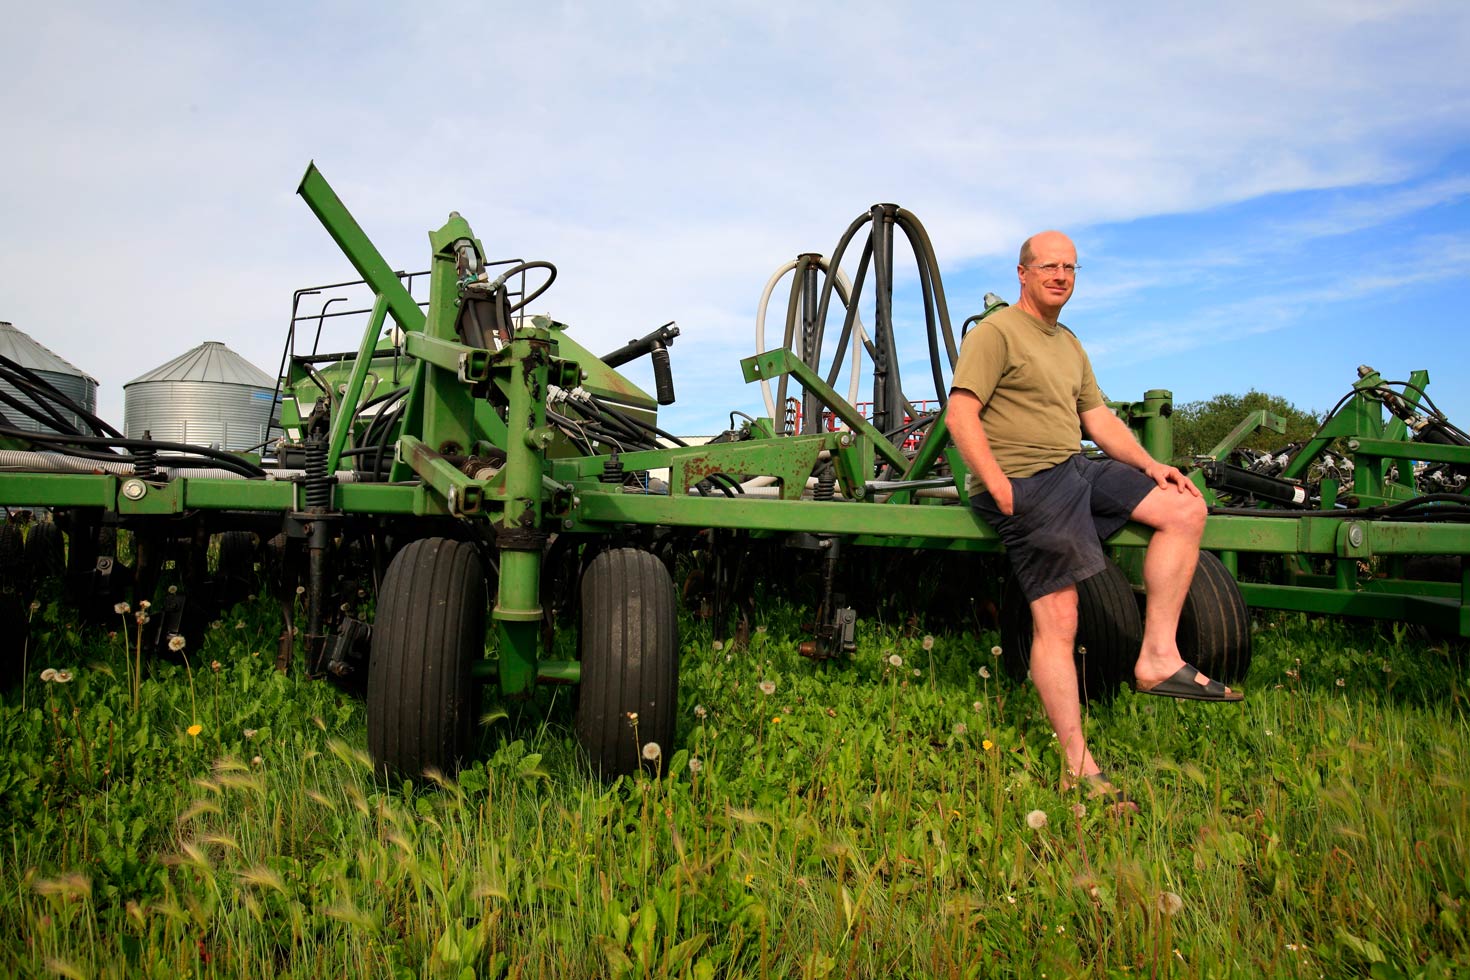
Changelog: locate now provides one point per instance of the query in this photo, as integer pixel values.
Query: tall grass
(895, 815)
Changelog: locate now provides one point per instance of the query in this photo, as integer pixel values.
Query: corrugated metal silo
(65, 377)
(208, 396)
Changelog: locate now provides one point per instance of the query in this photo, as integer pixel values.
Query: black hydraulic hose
(39, 412)
(932, 261)
(849, 322)
(526, 267)
(1450, 503)
(98, 426)
(798, 280)
(639, 423)
(226, 459)
(932, 290)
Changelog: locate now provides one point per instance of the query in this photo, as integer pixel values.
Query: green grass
(861, 820)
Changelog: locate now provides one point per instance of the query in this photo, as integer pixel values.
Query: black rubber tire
(630, 662)
(15, 572)
(1214, 625)
(430, 628)
(1109, 629)
(234, 575)
(15, 631)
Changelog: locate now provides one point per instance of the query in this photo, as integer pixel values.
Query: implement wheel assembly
(1214, 625)
(1109, 632)
(430, 628)
(630, 662)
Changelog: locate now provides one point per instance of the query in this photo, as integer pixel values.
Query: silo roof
(210, 362)
(25, 351)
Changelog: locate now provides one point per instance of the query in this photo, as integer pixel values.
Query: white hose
(52, 462)
(858, 333)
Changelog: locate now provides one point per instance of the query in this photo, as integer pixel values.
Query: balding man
(1022, 397)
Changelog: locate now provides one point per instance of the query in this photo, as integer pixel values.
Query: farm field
(894, 815)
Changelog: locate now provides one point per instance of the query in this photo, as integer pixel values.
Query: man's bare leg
(1178, 520)
(1054, 672)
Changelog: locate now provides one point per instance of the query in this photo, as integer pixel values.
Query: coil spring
(145, 461)
(824, 488)
(318, 485)
(612, 469)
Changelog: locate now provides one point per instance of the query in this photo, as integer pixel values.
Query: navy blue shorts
(1062, 514)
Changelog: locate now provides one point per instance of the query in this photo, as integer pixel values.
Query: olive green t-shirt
(1033, 379)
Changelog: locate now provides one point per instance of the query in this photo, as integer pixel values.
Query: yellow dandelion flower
(987, 745)
(194, 729)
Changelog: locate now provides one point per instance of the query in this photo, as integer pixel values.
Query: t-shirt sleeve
(982, 362)
(1089, 395)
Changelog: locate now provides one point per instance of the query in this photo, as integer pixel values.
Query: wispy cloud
(668, 157)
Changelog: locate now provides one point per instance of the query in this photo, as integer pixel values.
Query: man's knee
(1170, 510)
(1054, 616)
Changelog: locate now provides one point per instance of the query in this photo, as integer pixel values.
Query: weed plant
(895, 814)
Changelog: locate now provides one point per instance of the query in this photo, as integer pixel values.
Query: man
(1023, 395)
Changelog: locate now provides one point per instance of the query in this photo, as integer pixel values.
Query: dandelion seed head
(918, 672)
(895, 660)
(1036, 819)
(700, 711)
(995, 651)
(961, 728)
(173, 590)
(257, 761)
(1169, 903)
(651, 751)
(768, 688)
(761, 628)
(1079, 811)
(216, 666)
(35, 605)
(977, 706)
(694, 764)
(121, 609)
(985, 673)
(250, 733)
(928, 643)
(48, 675)
(176, 643)
(145, 605)
(632, 717)
(301, 590)
(718, 645)
(1341, 682)
(62, 677)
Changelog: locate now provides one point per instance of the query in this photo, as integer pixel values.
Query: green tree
(1199, 426)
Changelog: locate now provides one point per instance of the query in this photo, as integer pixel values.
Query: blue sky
(1264, 195)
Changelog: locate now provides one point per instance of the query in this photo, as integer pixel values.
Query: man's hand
(1165, 476)
(1005, 499)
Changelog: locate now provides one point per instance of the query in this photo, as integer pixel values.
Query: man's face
(1049, 289)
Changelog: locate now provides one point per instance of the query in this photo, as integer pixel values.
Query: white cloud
(666, 157)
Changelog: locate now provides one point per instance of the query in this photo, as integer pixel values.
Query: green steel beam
(358, 248)
(346, 408)
(774, 363)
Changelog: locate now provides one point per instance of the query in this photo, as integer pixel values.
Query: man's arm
(968, 433)
(1113, 437)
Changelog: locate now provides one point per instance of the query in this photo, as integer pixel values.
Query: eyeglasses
(1056, 268)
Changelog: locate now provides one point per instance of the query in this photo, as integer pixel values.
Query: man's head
(1046, 283)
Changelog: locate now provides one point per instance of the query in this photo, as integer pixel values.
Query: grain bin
(63, 376)
(208, 396)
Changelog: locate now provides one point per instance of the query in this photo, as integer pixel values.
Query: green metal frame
(465, 399)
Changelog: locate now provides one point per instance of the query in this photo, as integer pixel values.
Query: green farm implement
(455, 498)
